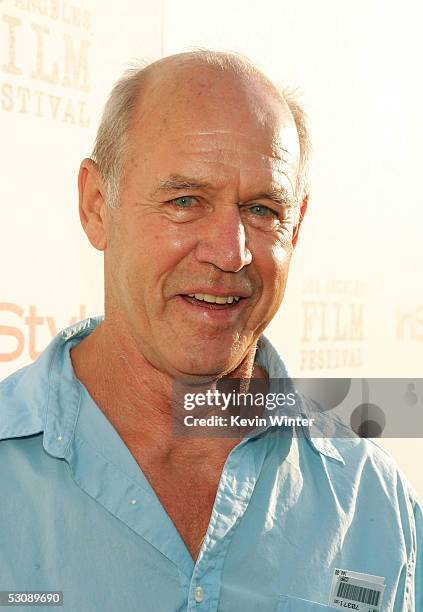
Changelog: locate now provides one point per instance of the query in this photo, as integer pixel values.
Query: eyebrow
(278, 195)
(177, 182)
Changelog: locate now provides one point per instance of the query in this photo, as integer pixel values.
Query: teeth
(214, 299)
(207, 297)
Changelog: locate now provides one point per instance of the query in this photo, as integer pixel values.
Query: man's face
(205, 217)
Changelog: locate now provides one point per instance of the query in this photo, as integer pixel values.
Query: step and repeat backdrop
(354, 303)
(58, 62)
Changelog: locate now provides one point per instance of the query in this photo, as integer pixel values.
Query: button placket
(225, 516)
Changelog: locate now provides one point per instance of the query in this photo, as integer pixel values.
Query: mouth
(209, 302)
(213, 302)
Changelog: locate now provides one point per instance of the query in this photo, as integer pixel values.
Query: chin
(208, 365)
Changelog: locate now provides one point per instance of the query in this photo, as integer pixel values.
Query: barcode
(357, 593)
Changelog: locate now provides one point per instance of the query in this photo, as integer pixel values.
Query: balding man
(195, 193)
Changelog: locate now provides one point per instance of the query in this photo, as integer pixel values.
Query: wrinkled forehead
(217, 117)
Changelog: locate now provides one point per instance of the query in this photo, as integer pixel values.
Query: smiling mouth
(212, 302)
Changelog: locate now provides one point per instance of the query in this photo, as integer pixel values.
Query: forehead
(213, 122)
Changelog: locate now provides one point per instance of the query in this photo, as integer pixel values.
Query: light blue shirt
(78, 515)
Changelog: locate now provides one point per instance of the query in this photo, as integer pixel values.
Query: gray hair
(112, 141)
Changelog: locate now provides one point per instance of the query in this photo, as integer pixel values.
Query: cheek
(273, 264)
(273, 272)
(144, 260)
(282, 258)
(169, 245)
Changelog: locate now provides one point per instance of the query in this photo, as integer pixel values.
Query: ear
(92, 204)
(303, 209)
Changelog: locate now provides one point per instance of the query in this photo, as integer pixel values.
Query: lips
(216, 303)
(215, 299)
(217, 292)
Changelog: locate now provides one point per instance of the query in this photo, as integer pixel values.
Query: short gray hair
(112, 141)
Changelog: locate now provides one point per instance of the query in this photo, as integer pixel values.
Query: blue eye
(183, 201)
(262, 211)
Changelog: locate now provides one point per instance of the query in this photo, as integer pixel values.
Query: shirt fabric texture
(78, 515)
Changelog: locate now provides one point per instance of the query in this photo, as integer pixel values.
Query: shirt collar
(268, 357)
(45, 396)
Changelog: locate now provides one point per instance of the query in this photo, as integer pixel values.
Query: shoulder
(364, 464)
(20, 403)
(378, 478)
(27, 394)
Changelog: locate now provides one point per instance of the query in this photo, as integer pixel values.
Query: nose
(222, 240)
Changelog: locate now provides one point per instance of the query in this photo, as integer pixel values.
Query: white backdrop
(354, 304)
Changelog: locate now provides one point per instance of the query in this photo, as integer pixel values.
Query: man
(195, 194)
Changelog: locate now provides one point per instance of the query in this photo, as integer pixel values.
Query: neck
(136, 397)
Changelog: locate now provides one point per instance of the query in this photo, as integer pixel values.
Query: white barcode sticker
(356, 591)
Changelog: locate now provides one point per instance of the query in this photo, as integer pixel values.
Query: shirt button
(199, 594)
